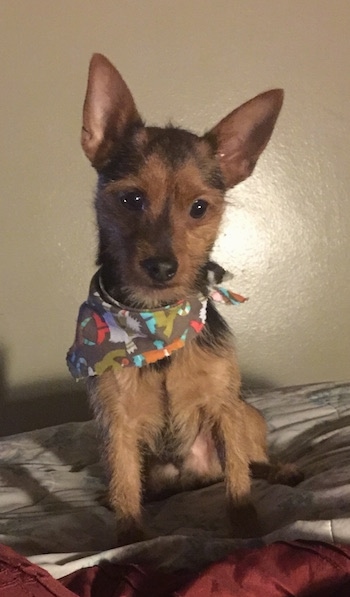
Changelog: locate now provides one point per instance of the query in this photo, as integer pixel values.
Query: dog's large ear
(243, 134)
(109, 109)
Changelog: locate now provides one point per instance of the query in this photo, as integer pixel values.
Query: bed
(52, 488)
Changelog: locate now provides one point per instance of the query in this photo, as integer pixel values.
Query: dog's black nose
(160, 270)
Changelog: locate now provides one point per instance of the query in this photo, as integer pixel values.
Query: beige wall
(287, 232)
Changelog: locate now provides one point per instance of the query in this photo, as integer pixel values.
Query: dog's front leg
(233, 435)
(127, 413)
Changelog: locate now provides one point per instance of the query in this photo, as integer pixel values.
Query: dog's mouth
(136, 287)
(142, 292)
(156, 294)
(160, 285)
(151, 289)
(150, 294)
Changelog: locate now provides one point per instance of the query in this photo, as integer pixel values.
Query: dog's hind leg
(261, 467)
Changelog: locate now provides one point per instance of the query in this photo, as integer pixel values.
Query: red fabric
(20, 578)
(297, 569)
(302, 569)
(113, 580)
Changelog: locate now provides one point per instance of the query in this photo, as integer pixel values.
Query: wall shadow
(252, 382)
(40, 404)
(55, 401)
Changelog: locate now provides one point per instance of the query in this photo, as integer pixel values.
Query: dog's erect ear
(244, 133)
(109, 109)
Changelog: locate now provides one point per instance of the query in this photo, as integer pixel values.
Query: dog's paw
(104, 501)
(285, 474)
(128, 530)
(244, 521)
(132, 532)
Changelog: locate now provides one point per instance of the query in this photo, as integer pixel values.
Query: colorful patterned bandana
(110, 335)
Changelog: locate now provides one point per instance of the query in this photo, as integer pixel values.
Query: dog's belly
(170, 469)
(196, 453)
(202, 457)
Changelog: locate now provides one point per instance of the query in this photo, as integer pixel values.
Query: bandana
(110, 335)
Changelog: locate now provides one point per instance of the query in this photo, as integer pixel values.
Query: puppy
(162, 372)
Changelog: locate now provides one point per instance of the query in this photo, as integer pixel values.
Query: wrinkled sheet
(51, 484)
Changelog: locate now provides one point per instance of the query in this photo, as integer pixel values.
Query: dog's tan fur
(183, 424)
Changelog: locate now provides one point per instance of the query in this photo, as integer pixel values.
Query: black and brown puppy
(179, 422)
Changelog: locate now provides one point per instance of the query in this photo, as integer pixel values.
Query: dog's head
(160, 192)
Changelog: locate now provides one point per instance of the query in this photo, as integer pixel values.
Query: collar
(110, 335)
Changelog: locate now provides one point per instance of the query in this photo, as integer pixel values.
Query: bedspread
(52, 482)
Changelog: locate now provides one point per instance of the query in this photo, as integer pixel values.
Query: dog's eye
(198, 208)
(133, 200)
